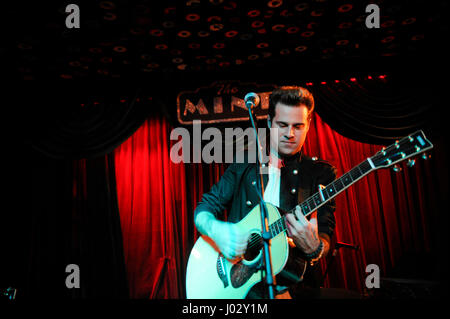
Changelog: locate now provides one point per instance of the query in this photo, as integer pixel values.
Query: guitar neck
(340, 184)
(407, 147)
(327, 193)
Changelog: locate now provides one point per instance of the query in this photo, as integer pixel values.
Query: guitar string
(309, 202)
(257, 239)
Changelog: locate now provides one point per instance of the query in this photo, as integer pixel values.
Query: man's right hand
(229, 238)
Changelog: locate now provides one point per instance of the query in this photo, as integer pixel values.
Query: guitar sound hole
(253, 247)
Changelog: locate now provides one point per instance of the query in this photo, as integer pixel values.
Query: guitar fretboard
(315, 201)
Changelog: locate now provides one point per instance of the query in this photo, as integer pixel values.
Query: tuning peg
(425, 156)
(396, 168)
(410, 162)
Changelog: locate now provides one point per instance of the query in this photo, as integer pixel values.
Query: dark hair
(292, 96)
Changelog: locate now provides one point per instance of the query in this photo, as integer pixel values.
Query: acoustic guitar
(210, 275)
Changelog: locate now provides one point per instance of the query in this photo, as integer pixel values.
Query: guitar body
(209, 275)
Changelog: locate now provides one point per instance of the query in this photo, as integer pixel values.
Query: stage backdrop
(389, 215)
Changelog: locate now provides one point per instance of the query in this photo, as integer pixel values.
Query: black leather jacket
(300, 178)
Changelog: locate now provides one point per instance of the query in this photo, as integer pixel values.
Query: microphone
(251, 100)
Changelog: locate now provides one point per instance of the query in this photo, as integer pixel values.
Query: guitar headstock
(403, 149)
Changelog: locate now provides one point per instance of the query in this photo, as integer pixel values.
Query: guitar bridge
(221, 271)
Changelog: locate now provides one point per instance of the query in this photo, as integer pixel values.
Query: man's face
(289, 128)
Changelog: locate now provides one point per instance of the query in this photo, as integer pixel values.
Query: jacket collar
(293, 159)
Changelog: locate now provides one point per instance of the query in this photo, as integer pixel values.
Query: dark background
(128, 50)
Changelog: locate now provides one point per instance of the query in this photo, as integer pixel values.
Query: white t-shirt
(272, 191)
(272, 195)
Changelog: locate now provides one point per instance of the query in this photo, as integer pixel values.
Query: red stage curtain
(387, 214)
(152, 195)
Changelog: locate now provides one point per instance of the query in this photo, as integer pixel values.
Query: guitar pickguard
(241, 273)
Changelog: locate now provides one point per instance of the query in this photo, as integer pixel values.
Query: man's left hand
(304, 233)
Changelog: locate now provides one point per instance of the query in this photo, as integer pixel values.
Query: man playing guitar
(292, 177)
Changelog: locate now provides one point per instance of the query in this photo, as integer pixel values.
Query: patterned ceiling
(119, 39)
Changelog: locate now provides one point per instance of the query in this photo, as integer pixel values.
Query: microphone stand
(269, 278)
